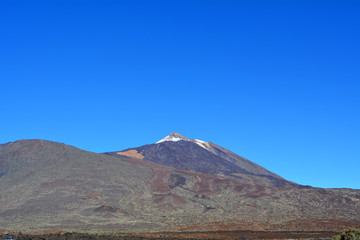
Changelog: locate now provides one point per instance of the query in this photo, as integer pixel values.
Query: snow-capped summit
(174, 137)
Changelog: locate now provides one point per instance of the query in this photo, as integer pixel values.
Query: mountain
(52, 186)
(181, 152)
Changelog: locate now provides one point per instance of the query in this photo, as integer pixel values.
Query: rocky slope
(181, 152)
(50, 186)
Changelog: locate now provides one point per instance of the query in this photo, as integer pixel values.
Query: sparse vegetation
(351, 234)
(231, 235)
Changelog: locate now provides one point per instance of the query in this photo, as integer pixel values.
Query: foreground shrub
(351, 234)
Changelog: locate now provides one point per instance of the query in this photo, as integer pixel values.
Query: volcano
(176, 184)
(184, 153)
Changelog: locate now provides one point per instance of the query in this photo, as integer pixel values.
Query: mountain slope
(48, 185)
(181, 152)
(238, 160)
(186, 155)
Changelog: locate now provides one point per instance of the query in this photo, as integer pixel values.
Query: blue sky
(274, 81)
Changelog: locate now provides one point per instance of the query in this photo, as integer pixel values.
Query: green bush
(351, 234)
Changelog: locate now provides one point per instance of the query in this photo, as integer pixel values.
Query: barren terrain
(48, 186)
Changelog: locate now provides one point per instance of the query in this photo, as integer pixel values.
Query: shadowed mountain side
(240, 161)
(186, 155)
(52, 186)
(206, 158)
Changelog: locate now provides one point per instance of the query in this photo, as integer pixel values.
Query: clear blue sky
(277, 82)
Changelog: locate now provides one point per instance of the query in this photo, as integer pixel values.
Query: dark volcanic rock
(181, 152)
(188, 156)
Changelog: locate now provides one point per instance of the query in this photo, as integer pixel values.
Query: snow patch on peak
(202, 143)
(171, 139)
(174, 137)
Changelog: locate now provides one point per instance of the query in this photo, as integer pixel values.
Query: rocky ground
(231, 235)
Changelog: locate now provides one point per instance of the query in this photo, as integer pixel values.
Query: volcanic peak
(174, 137)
